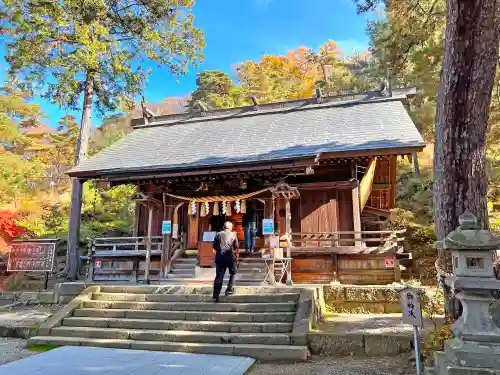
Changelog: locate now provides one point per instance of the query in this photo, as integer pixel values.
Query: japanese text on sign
(268, 227)
(410, 305)
(31, 256)
(166, 227)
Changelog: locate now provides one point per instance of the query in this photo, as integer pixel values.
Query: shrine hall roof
(268, 133)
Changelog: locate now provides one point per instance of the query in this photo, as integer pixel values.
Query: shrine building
(320, 174)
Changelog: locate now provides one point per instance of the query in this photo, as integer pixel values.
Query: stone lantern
(471, 248)
(475, 346)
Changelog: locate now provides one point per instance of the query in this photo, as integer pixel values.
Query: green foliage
(111, 130)
(41, 348)
(56, 45)
(216, 89)
(292, 76)
(109, 212)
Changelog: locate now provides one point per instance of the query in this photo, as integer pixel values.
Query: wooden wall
(384, 184)
(362, 269)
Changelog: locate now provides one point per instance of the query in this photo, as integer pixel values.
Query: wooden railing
(126, 244)
(125, 258)
(362, 257)
(346, 241)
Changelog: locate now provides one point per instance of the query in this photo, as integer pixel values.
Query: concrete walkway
(71, 360)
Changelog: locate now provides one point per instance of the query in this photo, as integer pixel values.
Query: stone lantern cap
(468, 237)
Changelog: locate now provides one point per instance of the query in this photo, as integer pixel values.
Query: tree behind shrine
(95, 49)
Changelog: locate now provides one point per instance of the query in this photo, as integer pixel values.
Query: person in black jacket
(250, 227)
(226, 257)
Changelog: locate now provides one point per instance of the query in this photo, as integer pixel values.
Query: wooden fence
(124, 258)
(366, 257)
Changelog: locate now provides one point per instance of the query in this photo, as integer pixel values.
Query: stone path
(26, 315)
(12, 349)
(374, 324)
(104, 361)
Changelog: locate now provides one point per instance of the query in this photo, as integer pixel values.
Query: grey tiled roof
(291, 133)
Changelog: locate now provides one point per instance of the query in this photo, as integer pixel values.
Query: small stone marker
(412, 314)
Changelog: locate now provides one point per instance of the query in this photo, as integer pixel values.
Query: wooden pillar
(193, 229)
(356, 212)
(168, 211)
(288, 233)
(356, 215)
(148, 243)
(75, 213)
(175, 223)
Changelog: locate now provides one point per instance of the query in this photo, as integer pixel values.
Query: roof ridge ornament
(283, 190)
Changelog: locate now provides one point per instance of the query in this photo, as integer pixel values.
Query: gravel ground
(26, 315)
(338, 366)
(12, 350)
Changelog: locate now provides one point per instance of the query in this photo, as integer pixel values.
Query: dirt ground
(371, 324)
(320, 365)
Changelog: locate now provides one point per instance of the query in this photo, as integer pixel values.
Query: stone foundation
(355, 299)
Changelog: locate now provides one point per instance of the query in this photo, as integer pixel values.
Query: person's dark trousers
(250, 230)
(222, 263)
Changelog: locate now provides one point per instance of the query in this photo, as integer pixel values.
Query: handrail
(399, 231)
(368, 239)
(126, 238)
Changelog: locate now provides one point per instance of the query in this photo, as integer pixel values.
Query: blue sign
(166, 227)
(267, 226)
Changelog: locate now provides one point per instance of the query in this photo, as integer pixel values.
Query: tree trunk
(470, 59)
(73, 255)
(416, 167)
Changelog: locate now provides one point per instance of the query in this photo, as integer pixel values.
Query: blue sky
(240, 30)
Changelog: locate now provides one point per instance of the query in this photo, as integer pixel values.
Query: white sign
(98, 264)
(166, 227)
(175, 231)
(268, 227)
(410, 305)
(389, 263)
(274, 242)
(209, 236)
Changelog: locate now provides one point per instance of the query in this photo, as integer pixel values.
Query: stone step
(260, 352)
(194, 306)
(193, 289)
(235, 298)
(268, 317)
(241, 276)
(197, 282)
(173, 336)
(193, 260)
(179, 325)
(182, 273)
(183, 266)
(472, 371)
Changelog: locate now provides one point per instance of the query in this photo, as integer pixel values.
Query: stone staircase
(182, 319)
(251, 271)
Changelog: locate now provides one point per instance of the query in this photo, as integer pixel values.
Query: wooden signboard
(31, 257)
